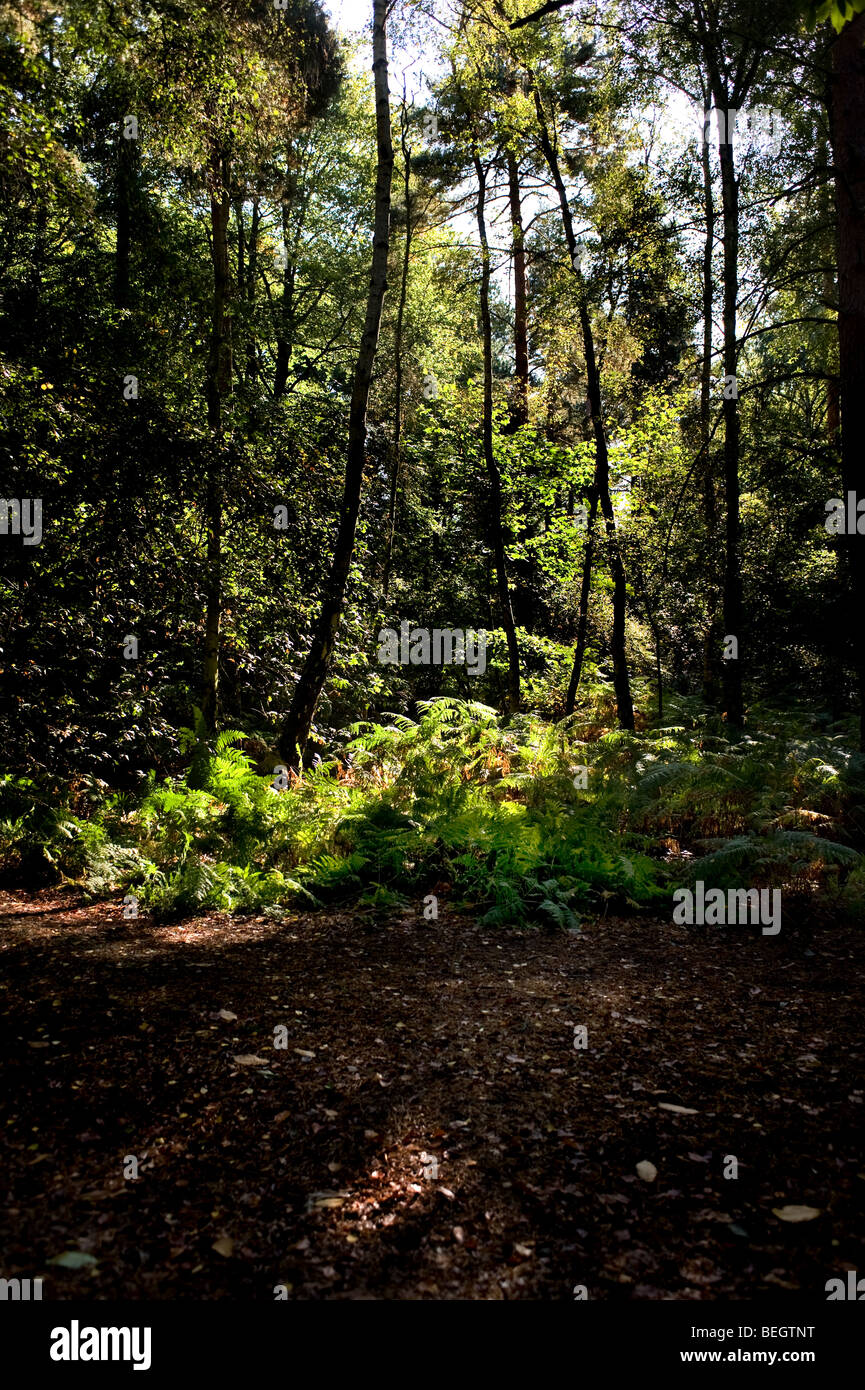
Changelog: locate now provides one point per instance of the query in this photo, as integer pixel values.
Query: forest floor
(429, 1130)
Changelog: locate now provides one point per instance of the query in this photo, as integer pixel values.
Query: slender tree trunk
(123, 194)
(285, 336)
(241, 277)
(241, 255)
(520, 402)
(251, 274)
(218, 387)
(583, 618)
(711, 637)
(833, 384)
(252, 257)
(397, 347)
(621, 677)
(295, 730)
(250, 284)
(848, 148)
(496, 500)
(733, 612)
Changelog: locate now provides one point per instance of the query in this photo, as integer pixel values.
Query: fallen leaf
(676, 1109)
(250, 1060)
(226, 1015)
(796, 1213)
(73, 1259)
(223, 1246)
(320, 1201)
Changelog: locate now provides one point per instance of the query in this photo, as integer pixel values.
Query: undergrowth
(496, 817)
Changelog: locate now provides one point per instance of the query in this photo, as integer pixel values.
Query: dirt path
(304, 1166)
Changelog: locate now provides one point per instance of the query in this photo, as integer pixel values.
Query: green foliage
(483, 812)
(117, 784)
(793, 858)
(840, 12)
(39, 834)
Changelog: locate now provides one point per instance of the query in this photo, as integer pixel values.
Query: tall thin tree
(601, 485)
(493, 473)
(294, 733)
(396, 460)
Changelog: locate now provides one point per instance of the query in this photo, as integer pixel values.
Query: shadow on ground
(429, 1130)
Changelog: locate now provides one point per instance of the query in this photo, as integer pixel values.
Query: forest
(432, 686)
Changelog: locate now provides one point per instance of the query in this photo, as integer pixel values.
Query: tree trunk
(520, 403)
(397, 347)
(218, 387)
(732, 672)
(496, 501)
(241, 254)
(123, 191)
(251, 275)
(295, 730)
(621, 678)
(711, 637)
(583, 619)
(848, 148)
(252, 257)
(285, 336)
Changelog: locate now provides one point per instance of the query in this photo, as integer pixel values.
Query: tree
(495, 481)
(847, 123)
(286, 61)
(296, 727)
(600, 494)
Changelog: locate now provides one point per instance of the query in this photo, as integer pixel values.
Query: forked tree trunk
(295, 730)
(496, 500)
